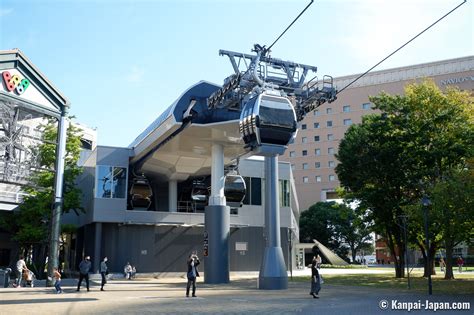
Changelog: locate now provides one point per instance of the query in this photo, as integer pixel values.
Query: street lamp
(426, 202)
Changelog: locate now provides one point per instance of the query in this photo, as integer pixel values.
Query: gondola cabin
(267, 119)
(141, 194)
(234, 190)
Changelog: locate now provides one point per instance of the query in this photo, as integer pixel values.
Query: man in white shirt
(20, 267)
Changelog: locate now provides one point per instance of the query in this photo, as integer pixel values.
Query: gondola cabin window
(111, 182)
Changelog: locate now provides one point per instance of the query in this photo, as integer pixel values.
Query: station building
(144, 203)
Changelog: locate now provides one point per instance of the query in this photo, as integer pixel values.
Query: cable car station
(191, 180)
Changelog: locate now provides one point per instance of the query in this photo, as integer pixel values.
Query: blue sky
(121, 63)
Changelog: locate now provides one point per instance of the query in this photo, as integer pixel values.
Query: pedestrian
(103, 272)
(134, 272)
(193, 273)
(315, 279)
(442, 264)
(460, 262)
(20, 268)
(57, 280)
(127, 270)
(84, 268)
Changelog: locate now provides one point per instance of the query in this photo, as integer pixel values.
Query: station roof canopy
(175, 148)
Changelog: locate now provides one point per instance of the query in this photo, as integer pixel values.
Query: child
(57, 283)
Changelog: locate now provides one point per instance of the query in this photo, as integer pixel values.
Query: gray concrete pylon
(273, 275)
(217, 223)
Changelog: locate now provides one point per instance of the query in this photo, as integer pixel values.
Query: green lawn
(462, 284)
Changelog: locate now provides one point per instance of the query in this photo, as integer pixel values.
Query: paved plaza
(241, 296)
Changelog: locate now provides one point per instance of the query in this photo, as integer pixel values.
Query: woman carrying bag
(315, 279)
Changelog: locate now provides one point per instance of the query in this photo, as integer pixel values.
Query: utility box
(4, 277)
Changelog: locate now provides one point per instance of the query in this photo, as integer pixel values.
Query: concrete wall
(165, 248)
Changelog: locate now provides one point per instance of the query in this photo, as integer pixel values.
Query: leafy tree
(352, 229)
(394, 158)
(371, 168)
(453, 204)
(317, 223)
(336, 226)
(30, 225)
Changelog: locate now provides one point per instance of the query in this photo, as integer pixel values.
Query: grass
(462, 284)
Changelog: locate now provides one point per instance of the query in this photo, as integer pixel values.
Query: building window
(305, 166)
(316, 125)
(317, 164)
(330, 150)
(332, 178)
(304, 140)
(346, 108)
(284, 193)
(329, 123)
(366, 106)
(317, 151)
(292, 153)
(316, 113)
(111, 182)
(253, 195)
(304, 153)
(331, 164)
(292, 167)
(330, 137)
(347, 122)
(303, 126)
(305, 179)
(316, 138)
(318, 179)
(329, 110)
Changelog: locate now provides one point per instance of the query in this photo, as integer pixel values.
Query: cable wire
(268, 49)
(363, 74)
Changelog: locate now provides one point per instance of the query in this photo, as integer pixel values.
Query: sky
(122, 62)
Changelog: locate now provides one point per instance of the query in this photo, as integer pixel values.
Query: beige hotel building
(312, 154)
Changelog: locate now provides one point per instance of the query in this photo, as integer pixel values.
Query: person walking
(20, 268)
(57, 280)
(84, 268)
(315, 279)
(103, 272)
(442, 264)
(460, 262)
(193, 273)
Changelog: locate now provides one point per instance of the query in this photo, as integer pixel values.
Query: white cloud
(380, 27)
(5, 12)
(135, 74)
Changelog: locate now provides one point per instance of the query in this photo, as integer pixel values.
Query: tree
(30, 225)
(371, 169)
(394, 158)
(352, 229)
(317, 223)
(336, 226)
(453, 204)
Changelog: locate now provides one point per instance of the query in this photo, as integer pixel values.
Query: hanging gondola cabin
(267, 119)
(234, 190)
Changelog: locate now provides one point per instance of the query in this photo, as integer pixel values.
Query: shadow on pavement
(36, 301)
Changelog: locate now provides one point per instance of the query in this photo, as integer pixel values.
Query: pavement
(240, 296)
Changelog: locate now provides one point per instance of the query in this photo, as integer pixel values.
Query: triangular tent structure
(330, 255)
